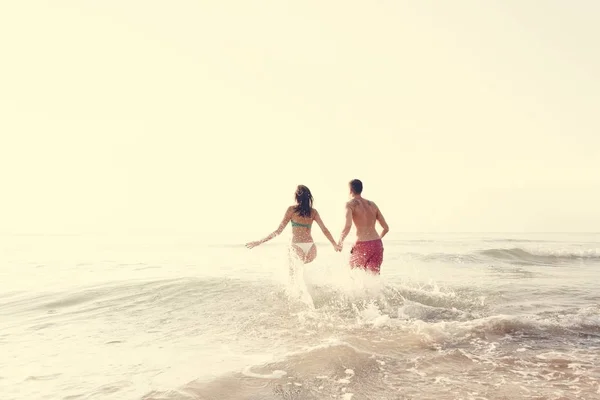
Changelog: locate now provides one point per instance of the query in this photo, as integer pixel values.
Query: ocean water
(452, 316)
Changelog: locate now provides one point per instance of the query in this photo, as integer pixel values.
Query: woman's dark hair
(304, 201)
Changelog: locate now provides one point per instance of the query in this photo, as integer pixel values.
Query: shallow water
(453, 316)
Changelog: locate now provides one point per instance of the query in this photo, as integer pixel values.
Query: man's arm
(347, 226)
(383, 223)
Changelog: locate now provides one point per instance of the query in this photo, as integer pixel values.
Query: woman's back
(299, 220)
(301, 224)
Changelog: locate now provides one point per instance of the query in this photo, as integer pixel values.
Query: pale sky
(203, 116)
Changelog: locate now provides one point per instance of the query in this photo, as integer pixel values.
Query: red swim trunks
(367, 255)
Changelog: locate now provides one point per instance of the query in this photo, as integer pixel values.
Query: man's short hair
(356, 186)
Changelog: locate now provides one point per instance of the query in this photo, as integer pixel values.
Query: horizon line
(236, 233)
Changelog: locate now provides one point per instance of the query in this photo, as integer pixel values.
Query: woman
(301, 216)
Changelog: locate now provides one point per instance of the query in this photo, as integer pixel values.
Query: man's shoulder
(351, 203)
(370, 202)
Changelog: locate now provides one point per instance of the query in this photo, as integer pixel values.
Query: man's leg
(375, 260)
(367, 255)
(357, 256)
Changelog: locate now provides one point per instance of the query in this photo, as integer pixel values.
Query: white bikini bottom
(305, 247)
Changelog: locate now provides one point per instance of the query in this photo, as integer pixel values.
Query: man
(367, 251)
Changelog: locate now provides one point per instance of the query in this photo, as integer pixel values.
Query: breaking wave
(514, 255)
(544, 257)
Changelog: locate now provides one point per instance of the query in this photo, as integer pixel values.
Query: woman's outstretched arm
(277, 232)
(326, 231)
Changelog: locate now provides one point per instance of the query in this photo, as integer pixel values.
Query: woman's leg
(312, 254)
(297, 252)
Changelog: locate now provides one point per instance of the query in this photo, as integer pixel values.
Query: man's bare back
(364, 214)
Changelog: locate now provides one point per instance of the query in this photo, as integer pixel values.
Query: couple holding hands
(366, 252)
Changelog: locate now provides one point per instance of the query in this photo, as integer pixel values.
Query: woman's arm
(325, 230)
(277, 232)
